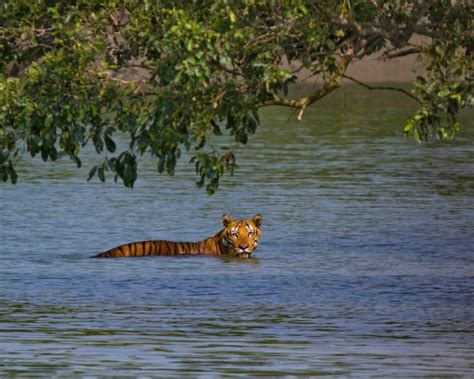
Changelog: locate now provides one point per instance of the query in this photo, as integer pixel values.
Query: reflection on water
(365, 264)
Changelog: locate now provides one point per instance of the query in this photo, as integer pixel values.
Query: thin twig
(390, 88)
(389, 55)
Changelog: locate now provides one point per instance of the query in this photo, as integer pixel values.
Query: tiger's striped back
(160, 247)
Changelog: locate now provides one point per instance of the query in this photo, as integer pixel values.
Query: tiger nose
(243, 246)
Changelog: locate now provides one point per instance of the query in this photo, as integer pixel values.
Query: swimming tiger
(239, 238)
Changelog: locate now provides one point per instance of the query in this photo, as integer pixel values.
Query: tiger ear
(226, 219)
(257, 220)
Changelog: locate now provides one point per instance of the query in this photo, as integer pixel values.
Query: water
(365, 266)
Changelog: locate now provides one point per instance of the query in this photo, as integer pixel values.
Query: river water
(365, 267)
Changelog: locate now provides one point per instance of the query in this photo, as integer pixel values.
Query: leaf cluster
(168, 75)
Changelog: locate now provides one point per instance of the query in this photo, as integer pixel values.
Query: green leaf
(417, 135)
(110, 144)
(161, 165)
(242, 136)
(408, 127)
(76, 160)
(101, 174)
(92, 173)
(444, 92)
(252, 125)
(129, 176)
(44, 154)
(216, 128)
(12, 172)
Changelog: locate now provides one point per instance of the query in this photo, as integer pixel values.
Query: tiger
(238, 238)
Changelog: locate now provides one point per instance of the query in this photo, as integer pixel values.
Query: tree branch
(330, 85)
(389, 55)
(390, 88)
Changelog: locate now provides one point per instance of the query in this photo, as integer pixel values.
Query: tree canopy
(168, 74)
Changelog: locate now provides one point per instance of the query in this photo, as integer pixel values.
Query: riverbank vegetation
(168, 74)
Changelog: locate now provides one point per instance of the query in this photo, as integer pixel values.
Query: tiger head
(240, 237)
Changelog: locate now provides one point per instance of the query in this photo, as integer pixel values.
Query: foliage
(168, 74)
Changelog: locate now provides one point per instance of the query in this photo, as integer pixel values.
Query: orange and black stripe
(161, 247)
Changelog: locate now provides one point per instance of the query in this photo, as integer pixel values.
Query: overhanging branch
(389, 88)
(330, 85)
(390, 54)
